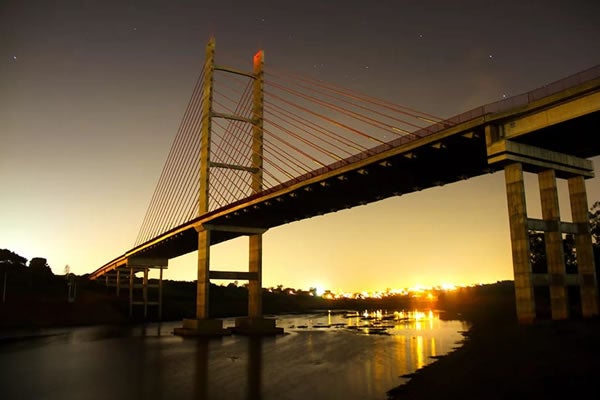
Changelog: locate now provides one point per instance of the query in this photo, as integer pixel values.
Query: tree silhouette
(595, 231)
(8, 257)
(537, 249)
(595, 224)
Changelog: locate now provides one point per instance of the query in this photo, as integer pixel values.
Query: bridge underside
(428, 166)
(579, 136)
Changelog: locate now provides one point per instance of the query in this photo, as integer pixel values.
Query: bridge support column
(554, 244)
(517, 215)
(160, 294)
(131, 278)
(145, 292)
(143, 297)
(516, 157)
(583, 245)
(202, 325)
(255, 285)
(203, 286)
(255, 324)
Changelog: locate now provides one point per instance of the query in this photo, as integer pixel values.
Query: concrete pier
(554, 244)
(583, 244)
(548, 165)
(517, 216)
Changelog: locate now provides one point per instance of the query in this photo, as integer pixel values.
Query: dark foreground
(504, 360)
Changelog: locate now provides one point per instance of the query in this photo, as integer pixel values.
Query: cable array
(173, 200)
(308, 126)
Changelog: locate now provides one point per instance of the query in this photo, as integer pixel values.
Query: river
(323, 355)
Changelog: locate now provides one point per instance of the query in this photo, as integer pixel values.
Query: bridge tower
(254, 323)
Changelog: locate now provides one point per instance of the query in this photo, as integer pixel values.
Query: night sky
(91, 94)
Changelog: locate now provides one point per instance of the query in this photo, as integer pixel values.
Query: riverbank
(503, 359)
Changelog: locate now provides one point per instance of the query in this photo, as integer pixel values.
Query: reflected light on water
(419, 352)
(325, 355)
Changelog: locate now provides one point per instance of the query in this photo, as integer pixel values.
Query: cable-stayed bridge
(258, 149)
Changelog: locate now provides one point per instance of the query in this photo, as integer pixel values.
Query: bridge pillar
(131, 279)
(517, 215)
(202, 325)
(255, 285)
(583, 245)
(554, 244)
(516, 157)
(255, 324)
(203, 285)
(143, 299)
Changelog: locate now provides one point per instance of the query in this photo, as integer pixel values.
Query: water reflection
(334, 356)
(254, 368)
(201, 375)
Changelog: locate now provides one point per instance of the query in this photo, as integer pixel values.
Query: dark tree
(595, 223)
(595, 230)
(537, 246)
(38, 263)
(40, 269)
(8, 257)
(537, 252)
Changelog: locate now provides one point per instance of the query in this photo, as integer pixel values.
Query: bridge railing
(531, 96)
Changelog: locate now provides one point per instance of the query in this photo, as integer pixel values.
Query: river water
(321, 356)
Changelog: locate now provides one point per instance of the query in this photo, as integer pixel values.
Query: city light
(420, 292)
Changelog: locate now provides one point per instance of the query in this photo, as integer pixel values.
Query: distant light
(319, 289)
(15, 58)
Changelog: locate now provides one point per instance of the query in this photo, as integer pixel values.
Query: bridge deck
(440, 154)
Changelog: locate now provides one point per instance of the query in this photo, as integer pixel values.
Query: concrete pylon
(202, 325)
(515, 158)
(517, 216)
(583, 245)
(255, 324)
(554, 244)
